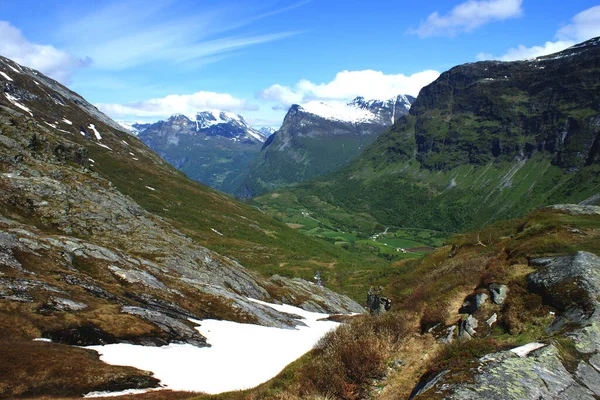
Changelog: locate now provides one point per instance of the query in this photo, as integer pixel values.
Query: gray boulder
(498, 292)
(518, 375)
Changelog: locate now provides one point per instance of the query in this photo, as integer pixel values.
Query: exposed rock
(492, 320)
(467, 328)
(62, 304)
(136, 276)
(473, 303)
(85, 335)
(595, 361)
(320, 298)
(570, 283)
(176, 330)
(88, 286)
(589, 377)
(8, 242)
(498, 292)
(505, 375)
(21, 290)
(577, 209)
(449, 336)
(422, 387)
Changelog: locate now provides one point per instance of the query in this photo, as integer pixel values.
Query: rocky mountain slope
(213, 148)
(485, 141)
(506, 312)
(83, 260)
(317, 138)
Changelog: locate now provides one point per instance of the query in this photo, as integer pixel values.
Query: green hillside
(486, 141)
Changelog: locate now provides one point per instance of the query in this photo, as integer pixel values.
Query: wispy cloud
(131, 33)
(347, 85)
(468, 16)
(187, 104)
(583, 26)
(57, 64)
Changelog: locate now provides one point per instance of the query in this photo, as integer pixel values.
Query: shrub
(349, 358)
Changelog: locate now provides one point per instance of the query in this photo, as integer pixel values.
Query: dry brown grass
(345, 361)
(29, 368)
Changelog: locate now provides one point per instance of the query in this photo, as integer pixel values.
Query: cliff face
(212, 148)
(483, 111)
(485, 141)
(318, 138)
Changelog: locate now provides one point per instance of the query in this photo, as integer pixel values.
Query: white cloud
(348, 84)
(187, 104)
(583, 26)
(51, 61)
(468, 16)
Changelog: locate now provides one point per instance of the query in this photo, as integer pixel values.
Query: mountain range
(212, 148)
(103, 242)
(317, 138)
(485, 141)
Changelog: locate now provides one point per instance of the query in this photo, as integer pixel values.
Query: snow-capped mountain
(316, 138)
(212, 147)
(360, 110)
(267, 130)
(134, 127)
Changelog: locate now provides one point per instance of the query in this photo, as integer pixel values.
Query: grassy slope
(431, 290)
(368, 195)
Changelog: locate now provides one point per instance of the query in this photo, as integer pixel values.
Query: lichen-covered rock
(508, 376)
(571, 284)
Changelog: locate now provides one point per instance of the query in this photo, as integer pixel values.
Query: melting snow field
(242, 356)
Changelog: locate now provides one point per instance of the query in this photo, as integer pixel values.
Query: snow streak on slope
(241, 356)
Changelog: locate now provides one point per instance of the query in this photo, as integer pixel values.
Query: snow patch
(522, 351)
(92, 161)
(103, 145)
(42, 339)
(49, 124)
(13, 68)
(241, 356)
(14, 101)
(66, 121)
(93, 128)
(121, 393)
(150, 188)
(8, 78)
(216, 231)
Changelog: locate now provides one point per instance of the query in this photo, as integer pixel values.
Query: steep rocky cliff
(485, 141)
(317, 138)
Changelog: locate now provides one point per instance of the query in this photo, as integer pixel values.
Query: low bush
(346, 360)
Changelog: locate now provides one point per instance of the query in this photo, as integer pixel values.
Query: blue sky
(145, 60)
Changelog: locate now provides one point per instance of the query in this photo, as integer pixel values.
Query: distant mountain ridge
(316, 138)
(486, 141)
(211, 148)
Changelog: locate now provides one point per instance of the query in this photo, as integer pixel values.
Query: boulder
(531, 375)
(570, 283)
(498, 292)
(467, 328)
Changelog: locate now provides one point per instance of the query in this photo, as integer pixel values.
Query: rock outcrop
(566, 367)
